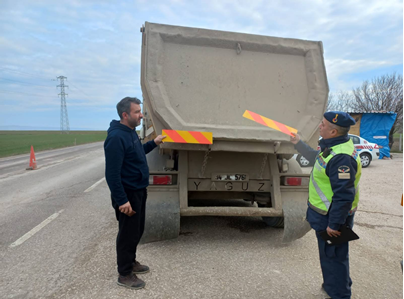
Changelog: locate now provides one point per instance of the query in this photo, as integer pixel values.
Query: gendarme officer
(333, 196)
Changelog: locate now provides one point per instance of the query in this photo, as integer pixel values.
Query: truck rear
(204, 80)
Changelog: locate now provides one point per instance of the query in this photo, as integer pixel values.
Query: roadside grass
(19, 142)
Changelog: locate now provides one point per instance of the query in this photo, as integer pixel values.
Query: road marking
(95, 185)
(35, 229)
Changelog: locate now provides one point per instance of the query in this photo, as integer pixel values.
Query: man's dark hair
(124, 105)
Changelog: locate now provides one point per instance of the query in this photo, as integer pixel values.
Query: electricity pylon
(64, 118)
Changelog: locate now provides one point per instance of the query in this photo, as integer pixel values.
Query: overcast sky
(96, 45)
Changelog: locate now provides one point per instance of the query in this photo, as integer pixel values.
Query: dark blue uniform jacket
(344, 189)
(125, 161)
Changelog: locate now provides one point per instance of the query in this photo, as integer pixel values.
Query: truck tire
(277, 222)
(365, 159)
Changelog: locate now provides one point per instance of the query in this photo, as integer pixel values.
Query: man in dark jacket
(333, 196)
(127, 175)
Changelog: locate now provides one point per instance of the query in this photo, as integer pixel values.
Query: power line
(30, 94)
(23, 82)
(36, 76)
(79, 89)
(15, 71)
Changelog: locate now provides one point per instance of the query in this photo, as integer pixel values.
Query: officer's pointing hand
(333, 233)
(159, 139)
(295, 138)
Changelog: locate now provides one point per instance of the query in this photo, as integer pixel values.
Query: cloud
(96, 44)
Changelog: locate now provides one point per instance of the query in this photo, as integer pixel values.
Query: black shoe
(139, 268)
(131, 281)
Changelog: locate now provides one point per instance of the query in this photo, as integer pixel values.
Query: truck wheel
(365, 159)
(277, 222)
(303, 162)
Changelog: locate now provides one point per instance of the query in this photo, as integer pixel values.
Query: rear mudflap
(162, 215)
(294, 205)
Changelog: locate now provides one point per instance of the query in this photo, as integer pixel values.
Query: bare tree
(339, 101)
(381, 94)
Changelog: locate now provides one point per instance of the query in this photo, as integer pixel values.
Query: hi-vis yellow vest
(320, 191)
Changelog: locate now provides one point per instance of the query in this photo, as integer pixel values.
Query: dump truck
(203, 80)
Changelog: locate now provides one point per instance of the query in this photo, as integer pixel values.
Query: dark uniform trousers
(334, 260)
(130, 230)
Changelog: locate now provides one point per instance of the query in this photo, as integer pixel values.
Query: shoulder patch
(344, 176)
(343, 169)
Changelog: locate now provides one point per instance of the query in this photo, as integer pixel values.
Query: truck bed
(203, 80)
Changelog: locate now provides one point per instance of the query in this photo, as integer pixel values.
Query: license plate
(230, 177)
(234, 186)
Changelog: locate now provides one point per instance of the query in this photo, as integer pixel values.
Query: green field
(19, 142)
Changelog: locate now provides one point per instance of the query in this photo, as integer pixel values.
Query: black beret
(339, 118)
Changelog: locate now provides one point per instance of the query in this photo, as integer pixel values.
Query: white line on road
(35, 229)
(95, 185)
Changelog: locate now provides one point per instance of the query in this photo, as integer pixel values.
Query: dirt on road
(238, 257)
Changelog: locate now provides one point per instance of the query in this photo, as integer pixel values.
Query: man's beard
(133, 122)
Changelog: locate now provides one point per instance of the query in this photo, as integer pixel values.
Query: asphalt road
(72, 254)
(13, 165)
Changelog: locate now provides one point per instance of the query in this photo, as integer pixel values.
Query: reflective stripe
(314, 208)
(317, 166)
(354, 153)
(321, 163)
(320, 193)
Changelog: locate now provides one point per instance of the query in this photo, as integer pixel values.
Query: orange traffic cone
(32, 160)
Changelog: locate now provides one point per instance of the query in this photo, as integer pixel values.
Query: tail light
(160, 180)
(377, 147)
(295, 181)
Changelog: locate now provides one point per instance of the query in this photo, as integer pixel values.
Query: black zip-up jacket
(125, 161)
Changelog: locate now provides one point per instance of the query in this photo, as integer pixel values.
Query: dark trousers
(334, 260)
(130, 230)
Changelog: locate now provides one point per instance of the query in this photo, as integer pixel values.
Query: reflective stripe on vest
(320, 193)
(319, 196)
